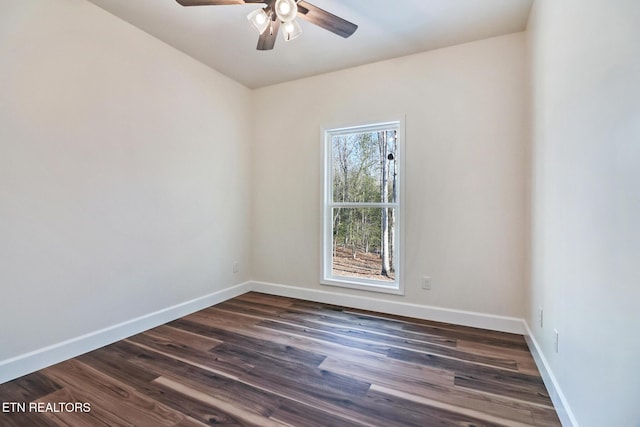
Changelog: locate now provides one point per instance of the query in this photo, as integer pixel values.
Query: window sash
(363, 205)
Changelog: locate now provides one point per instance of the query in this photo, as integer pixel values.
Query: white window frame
(326, 268)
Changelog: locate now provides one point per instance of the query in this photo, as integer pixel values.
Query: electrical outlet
(540, 317)
(426, 283)
(236, 267)
(556, 340)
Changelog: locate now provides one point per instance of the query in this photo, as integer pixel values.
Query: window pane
(364, 167)
(363, 243)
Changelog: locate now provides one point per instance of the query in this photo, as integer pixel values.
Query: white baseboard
(30, 362)
(437, 314)
(557, 397)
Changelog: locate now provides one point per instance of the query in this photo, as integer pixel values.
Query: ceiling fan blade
(216, 2)
(268, 39)
(326, 20)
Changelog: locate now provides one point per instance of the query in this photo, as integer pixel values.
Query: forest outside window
(362, 207)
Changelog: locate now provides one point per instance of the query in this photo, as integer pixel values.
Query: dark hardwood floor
(260, 360)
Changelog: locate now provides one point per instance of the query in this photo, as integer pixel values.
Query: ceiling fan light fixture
(259, 20)
(286, 10)
(291, 30)
(282, 13)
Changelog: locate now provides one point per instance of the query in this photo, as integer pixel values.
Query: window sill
(392, 288)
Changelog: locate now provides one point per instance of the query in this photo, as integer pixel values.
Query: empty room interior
(385, 213)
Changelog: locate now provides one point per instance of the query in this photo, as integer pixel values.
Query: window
(362, 209)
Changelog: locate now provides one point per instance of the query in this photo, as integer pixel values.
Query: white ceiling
(222, 38)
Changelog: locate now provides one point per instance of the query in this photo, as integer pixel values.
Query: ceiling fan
(282, 13)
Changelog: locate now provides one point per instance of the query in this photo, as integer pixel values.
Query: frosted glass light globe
(284, 8)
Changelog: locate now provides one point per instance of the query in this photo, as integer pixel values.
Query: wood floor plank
(346, 342)
(115, 361)
(22, 419)
(366, 325)
(227, 319)
(244, 416)
(174, 336)
(371, 360)
(264, 360)
(502, 418)
(394, 410)
(97, 416)
(258, 309)
(190, 422)
(515, 358)
(430, 327)
(523, 359)
(410, 344)
(427, 388)
(419, 325)
(297, 414)
(545, 417)
(28, 388)
(504, 340)
(350, 327)
(516, 388)
(283, 388)
(90, 385)
(267, 299)
(377, 337)
(204, 360)
(226, 388)
(260, 346)
(447, 357)
(484, 378)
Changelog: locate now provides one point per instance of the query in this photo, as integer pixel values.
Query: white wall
(465, 146)
(585, 58)
(125, 180)
(124, 174)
